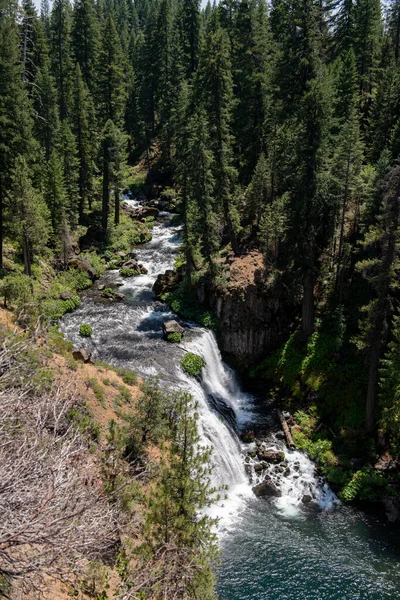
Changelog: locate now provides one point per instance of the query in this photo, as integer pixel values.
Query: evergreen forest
(272, 131)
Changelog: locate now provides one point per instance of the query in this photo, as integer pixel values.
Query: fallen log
(286, 431)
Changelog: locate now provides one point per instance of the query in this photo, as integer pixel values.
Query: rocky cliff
(254, 317)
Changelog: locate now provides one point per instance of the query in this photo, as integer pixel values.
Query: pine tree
(394, 26)
(189, 33)
(55, 194)
(81, 124)
(68, 151)
(15, 110)
(344, 27)
(306, 115)
(30, 215)
(348, 156)
(250, 45)
(111, 88)
(215, 82)
(61, 52)
(380, 270)
(189, 208)
(200, 188)
(385, 106)
(85, 40)
(174, 522)
(367, 43)
(46, 110)
(112, 153)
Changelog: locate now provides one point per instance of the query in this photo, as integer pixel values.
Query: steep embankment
(253, 315)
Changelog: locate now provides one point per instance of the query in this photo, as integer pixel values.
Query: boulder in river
(270, 456)
(172, 327)
(266, 488)
(306, 498)
(83, 354)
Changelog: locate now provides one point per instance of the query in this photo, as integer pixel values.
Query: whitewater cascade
(129, 334)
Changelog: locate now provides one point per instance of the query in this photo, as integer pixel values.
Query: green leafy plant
(192, 364)
(174, 337)
(128, 377)
(85, 330)
(128, 272)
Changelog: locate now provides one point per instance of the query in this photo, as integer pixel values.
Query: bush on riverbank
(192, 364)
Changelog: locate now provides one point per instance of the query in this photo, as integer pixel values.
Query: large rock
(306, 499)
(392, 508)
(82, 265)
(166, 282)
(255, 315)
(270, 456)
(93, 237)
(266, 488)
(172, 327)
(83, 354)
(131, 264)
(387, 463)
(66, 295)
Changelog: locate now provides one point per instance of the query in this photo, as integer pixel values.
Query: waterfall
(129, 334)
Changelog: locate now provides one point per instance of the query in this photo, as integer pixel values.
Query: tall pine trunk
(116, 205)
(27, 255)
(106, 192)
(372, 388)
(307, 324)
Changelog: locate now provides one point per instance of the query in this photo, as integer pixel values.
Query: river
(276, 549)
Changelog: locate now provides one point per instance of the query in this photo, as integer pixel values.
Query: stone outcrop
(83, 354)
(165, 282)
(82, 265)
(253, 316)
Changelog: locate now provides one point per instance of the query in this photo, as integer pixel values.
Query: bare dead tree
(55, 515)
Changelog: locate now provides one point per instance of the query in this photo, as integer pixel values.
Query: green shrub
(84, 423)
(184, 302)
(16, 288)
(366, 484)
(174, 337)
(54, 309)
(98, 391)
(192, 364)
(57, 342)
(128, 377)
(128, 272)
(125, 393)
(85, 330)
(96, 262)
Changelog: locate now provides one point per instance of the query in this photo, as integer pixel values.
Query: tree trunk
(106, 192)
(372, 389)
(116, 205)
(308, 304)
(27, 256)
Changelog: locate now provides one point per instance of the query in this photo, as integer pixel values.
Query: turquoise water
(339, 554)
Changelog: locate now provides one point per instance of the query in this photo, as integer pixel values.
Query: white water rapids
(129, 334)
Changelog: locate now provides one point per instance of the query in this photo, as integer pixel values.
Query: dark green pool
(342, 554)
